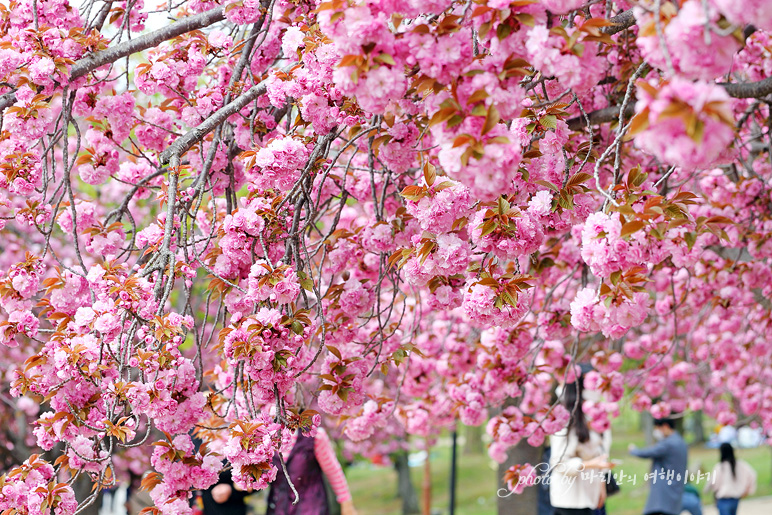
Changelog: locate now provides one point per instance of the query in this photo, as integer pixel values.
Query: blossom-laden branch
(96, 60)
(396, 232)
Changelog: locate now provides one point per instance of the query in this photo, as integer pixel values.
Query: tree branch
(185, 142)
(621, 22)
(758, 89)
(149, 40)
(605, 115)
(92, 62)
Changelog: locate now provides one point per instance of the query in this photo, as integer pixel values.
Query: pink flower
(691, 55)
(756, 12)
(666, 135)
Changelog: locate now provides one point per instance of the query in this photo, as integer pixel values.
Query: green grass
(374, 488)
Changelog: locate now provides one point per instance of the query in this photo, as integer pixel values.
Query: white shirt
(569, 487)
(728, 486)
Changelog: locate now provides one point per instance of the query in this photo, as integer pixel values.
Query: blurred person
(137, 499)
(307, 459)
(690, 501)
(545, 508)
(668, 469)
(223, 498)
(577, 459)
(731, 480)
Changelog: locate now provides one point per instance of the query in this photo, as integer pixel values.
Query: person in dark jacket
(668, 469)
(223, 498)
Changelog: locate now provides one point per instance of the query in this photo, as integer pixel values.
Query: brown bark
(526, 503)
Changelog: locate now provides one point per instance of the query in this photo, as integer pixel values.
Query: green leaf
(385, 58)
(549, 121)
(690, 238)
(488, 227)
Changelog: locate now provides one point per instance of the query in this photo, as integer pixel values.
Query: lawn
(374, 488)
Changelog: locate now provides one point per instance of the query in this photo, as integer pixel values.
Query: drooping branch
(149, 40)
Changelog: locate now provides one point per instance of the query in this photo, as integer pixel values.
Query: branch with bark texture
(621, 22)
(605, 115)
(92, 62)
(184, 143)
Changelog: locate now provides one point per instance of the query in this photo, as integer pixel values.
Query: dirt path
(757, 506)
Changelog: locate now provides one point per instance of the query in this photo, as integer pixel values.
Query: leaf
(396, 256)
(477, 96)
(698, 132)
(578, 179)
(547, 184)
(334, 351)
(639, 179)
(150, 481)
(305, 282)
(442, 115)
(488, 227)
(385, 58)
(631, 227)
(430, 174)
(455, 120)
(349, 60)
(509, 298)
(549, 121)
(690, 239)
(462, 139)
(413, 192)
(443, 186)
(566, 200)
(638, 124)
(719, 220)
(597, 22)
(479, 110)
(491, 120)
(526, 19)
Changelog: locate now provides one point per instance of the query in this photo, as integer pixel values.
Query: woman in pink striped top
(307, 458)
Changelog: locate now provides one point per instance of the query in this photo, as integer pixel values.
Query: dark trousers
(727, 506)
(573, 511)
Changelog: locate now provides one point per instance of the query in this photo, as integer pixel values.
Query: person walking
(668, 469)
(690, 501)
(577, 460)
(732, 479)
(307, 459)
